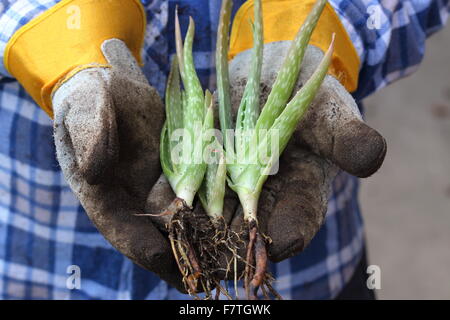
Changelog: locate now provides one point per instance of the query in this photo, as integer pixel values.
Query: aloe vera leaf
(287, 122)
(288, 74)
(223, 81)
(249, 108)
(174, 106)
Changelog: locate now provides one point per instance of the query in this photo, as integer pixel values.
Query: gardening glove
(107, 127)
(331, 135)
(107, 118)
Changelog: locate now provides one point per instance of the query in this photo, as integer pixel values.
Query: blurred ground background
(406, 204)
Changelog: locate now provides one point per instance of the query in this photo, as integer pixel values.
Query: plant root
(256, 275)
(207, 251)
(216, 246)
(195, 241)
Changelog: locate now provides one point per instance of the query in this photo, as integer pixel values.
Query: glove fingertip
(360, 150)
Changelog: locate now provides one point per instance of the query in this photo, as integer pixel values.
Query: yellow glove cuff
(283, 18)
(67, 38)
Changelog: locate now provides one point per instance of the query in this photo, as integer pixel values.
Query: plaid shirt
(44, 230)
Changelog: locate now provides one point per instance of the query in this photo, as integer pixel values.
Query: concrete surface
(406, 204)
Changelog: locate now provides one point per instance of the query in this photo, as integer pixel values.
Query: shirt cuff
(14, 17)
(347, 22)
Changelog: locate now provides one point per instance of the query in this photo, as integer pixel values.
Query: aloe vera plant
(189, 116)
(213, 191)
(188, 111)
(255, 132)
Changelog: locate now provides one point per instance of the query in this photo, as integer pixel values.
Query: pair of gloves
(107, 128)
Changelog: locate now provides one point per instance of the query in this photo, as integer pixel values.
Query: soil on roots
(197, 244)
(256, 275)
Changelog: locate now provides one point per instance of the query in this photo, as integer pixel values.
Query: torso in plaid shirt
(44, 230)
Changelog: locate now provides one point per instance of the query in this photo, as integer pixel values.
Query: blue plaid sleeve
(389, 36)
(15, 14)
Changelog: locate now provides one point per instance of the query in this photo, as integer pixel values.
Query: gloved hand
(331, 135)
(107, 127)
